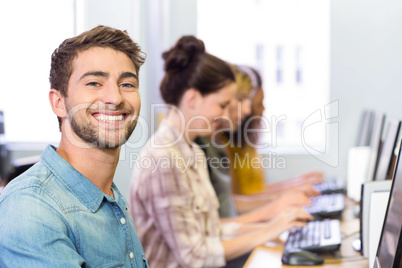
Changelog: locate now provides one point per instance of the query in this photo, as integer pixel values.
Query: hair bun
(183, 53)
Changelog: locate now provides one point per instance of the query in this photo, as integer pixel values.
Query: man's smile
(110, 118)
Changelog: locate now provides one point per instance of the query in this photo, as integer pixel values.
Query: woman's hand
(288, 218)
(293, 198)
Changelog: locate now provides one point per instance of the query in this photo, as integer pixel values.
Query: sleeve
(34, 235)
(179, 216)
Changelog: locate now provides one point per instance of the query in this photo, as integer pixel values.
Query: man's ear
(57, 103)
(191, 98)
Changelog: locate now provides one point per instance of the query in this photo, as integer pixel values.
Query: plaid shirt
(174, 206)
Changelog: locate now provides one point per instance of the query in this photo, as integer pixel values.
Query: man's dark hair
(100, 36)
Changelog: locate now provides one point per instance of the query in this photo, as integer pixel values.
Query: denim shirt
(53, 216)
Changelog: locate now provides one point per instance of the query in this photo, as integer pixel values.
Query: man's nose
(112, 95)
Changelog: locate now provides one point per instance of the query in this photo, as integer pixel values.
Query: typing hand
(308, 189)
(293, 198)
(313, 177)
(288, 218)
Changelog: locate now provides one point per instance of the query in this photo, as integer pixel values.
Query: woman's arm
(303, 183)
(254, 235)
(247, 203)
(269, 210)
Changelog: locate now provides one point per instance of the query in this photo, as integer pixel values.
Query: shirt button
(131, 255)
(123, 221)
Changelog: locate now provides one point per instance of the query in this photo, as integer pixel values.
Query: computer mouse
(301, 257)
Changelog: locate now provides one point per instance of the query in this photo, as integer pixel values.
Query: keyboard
(316, 236)
(329, 186)
(327, 205)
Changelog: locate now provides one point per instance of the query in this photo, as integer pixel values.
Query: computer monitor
(393, 164)
(389, 250)
(375, 144)
(365, 130)
(387, 149)
(368, 189)
(2, 123)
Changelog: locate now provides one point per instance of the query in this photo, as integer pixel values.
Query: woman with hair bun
(173, 203)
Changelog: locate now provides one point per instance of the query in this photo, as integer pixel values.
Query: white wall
(366, 65)
(366, 62)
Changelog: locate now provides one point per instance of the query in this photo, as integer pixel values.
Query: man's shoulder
(37, 183)
(34, 177)
(32, 214)
(29, 197)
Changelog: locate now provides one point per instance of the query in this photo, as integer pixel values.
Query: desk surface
(350, 225)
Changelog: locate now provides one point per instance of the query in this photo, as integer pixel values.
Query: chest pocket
(201, 205)
(204, 214)
(203, 194)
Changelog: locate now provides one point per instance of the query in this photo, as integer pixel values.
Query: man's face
(103, 100)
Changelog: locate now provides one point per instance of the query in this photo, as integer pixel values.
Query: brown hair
(100, 36)
(188, 65)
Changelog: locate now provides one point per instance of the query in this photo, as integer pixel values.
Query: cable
(346, 236)
(343, 259)
(346, 259)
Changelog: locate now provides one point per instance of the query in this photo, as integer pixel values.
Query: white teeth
(109, 118)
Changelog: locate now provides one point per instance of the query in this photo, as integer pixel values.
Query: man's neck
(97, 165)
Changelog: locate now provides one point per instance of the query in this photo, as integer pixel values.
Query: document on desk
(263, 259)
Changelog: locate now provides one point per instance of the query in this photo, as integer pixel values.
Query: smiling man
(66, 211)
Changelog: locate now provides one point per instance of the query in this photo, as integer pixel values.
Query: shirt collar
(87, 192)
(172, 134)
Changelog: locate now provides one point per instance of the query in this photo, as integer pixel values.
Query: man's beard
(107, 140)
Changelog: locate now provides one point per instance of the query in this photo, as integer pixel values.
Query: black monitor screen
(387, 149)
(366, 125)
(1, 123)
(389, 247)
(375, 143)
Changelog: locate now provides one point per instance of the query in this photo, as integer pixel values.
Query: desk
(270, 256)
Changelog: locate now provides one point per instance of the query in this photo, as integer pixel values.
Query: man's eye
(93, 84)
(127, 85)
(223, 106)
